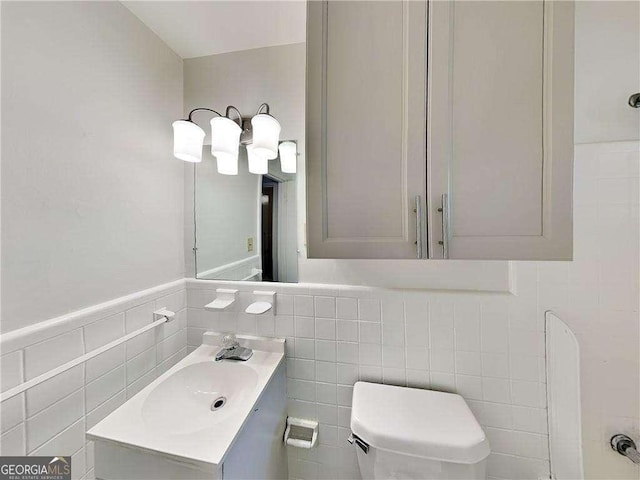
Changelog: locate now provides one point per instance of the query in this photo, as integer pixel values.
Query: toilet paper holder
(301, 433)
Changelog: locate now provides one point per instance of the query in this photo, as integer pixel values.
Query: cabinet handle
(444, 210)
(418, 211)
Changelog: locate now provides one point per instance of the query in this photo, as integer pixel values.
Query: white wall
(92, 204)
(601, 295)
(607, 71)
(602, 289)
(246, 79)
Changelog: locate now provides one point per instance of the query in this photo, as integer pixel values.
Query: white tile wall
(51, 418)
(104, 331)
(457, 342)
(11, 371)
(44, 356)
(601, 301)
(487, 347)
(103, 363)
(50, 391)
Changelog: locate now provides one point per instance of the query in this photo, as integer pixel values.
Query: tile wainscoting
(51, 417)
(487, 347)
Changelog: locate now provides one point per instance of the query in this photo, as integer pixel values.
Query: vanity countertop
(175, 415)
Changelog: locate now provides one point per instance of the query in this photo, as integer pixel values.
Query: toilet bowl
(410, 433)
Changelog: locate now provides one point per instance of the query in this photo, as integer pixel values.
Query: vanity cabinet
(440, 129)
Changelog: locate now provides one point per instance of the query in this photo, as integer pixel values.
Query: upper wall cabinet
(366, 121)
(440, 130)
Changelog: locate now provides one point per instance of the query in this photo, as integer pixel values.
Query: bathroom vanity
(201, 419)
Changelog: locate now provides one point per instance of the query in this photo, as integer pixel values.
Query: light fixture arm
(265, 106)
(198, 109)
(231, 107)
(226, 113)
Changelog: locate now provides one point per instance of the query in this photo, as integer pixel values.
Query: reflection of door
(269, 229)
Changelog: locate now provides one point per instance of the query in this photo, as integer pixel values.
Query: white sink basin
(173, 415)
(183, 402)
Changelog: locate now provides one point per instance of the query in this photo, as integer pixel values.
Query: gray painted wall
(92, 198)
(607, 71)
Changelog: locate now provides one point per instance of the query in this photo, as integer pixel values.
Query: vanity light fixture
(257, 164)
(266, 132)
(262, 131)
(288, 156)
(187, 141)
(225, 141)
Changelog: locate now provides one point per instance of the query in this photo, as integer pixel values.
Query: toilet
(410, 433)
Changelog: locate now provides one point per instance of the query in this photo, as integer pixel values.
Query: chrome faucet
(625, 447)
(231, 350)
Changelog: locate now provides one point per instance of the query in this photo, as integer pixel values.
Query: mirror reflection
(248, 194)
(246, 223)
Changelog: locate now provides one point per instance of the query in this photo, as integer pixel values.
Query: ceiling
(200, 28)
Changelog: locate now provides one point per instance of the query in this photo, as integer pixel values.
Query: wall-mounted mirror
(245, 223)
(249, 226)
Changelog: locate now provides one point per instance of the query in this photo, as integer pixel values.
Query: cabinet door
(366, 124)
(501, 128)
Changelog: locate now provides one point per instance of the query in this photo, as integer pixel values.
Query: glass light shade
(187, 141)
(227, 164)
(266, 134)
(257, 164)
(225, 141)
(288, 157)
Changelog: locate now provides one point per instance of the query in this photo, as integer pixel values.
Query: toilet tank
(412, 433)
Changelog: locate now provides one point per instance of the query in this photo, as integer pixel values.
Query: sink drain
(218, 403)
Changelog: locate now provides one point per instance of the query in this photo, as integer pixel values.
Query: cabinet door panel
(501, 108)
(497, 85)
(366, 94)
(364, 86)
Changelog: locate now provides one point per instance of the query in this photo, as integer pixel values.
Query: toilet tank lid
(422, 423)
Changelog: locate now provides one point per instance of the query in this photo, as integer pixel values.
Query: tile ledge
(23, 337)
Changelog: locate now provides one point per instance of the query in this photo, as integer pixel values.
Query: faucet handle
(229, 341)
